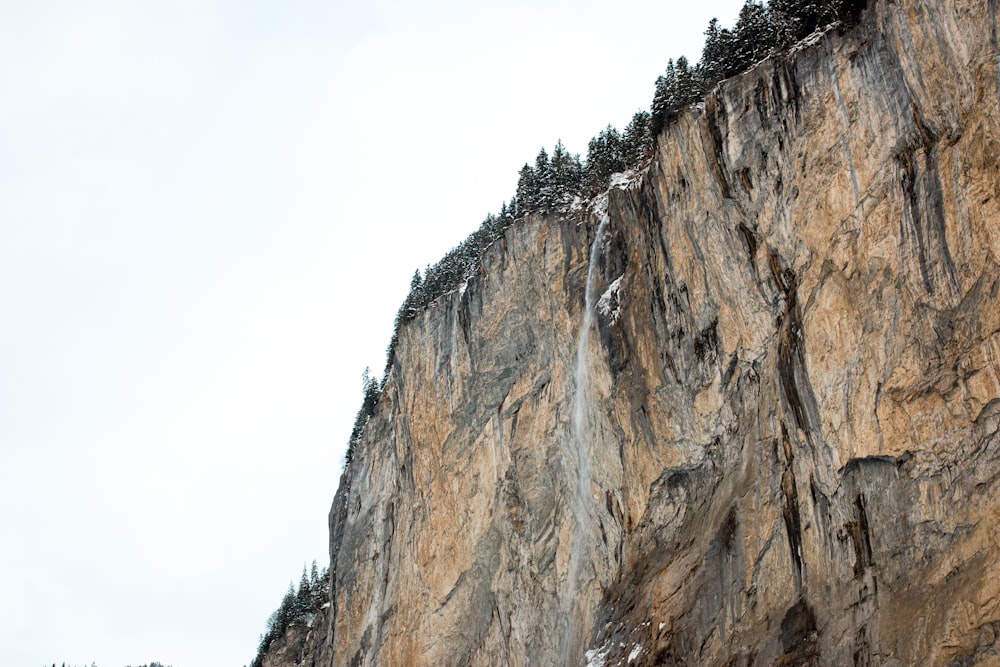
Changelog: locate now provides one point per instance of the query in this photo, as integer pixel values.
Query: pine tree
(286, 612)
(527, 190)
(689, 85)
(605, 156)
(637, 140)
(545, 177)
(757, 34)
(800, 17)
(303, 598)
(371, 396)
(718, 57)
(318, 586)
(567, 172)
(414, 301)
(664, 107)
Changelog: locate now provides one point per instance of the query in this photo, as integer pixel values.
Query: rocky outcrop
(303, 644)
(783, 448)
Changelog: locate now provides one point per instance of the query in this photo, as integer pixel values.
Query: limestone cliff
(774, 439)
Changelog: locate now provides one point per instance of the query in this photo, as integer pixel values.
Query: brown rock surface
(789, 426)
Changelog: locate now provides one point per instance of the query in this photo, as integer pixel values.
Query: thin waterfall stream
(580, 443)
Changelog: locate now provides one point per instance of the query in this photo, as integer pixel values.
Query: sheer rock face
(792, 396)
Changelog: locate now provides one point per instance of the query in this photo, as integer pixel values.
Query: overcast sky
(210, 211)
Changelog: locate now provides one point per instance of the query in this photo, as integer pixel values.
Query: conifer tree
(605, 156)
(414, 301)
(303, 598)
(527, 190)
(689, 85)
(286, 612)
(718, 57)
(758, 32)
(567, 171)
(318, 586)
(370, 401)
(664, 107)
(545, 178)
(637, 141)
(800, 17)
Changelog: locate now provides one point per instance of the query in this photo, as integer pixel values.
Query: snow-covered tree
(546, 179)
(605, 156)
(718, 56)
(567, 171)
(303, 597)
(798, 18)
(637, 140)
(677, 88)
(527, 190)
(758, 32)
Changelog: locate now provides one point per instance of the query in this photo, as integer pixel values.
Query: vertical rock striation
(792, 393)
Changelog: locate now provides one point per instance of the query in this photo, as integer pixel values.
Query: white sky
(209, 213)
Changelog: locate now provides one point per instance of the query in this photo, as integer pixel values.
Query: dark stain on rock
(790, 509)
(861, 537)
(789, 338)
(715, 115)
(707, 341)
(749, 243)
(799, 636)
(862, 656)
(727, 375)
(923, 207)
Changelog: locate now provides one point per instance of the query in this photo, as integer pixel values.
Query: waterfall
(580, 444)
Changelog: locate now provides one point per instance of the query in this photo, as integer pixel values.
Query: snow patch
(597, 656)
(636, 652)
(813, 38)
(623, 179)
(610, 303)
(598, 206)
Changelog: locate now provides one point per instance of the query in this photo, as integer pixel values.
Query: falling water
(581, 448)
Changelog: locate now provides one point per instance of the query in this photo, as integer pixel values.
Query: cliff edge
(742, 410)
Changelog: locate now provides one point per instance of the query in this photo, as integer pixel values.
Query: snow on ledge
(623, 180)
(610, 303)
(596, 657)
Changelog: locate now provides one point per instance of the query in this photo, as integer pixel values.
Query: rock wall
(788, 448)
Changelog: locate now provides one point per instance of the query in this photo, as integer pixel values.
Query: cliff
(743, 409)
